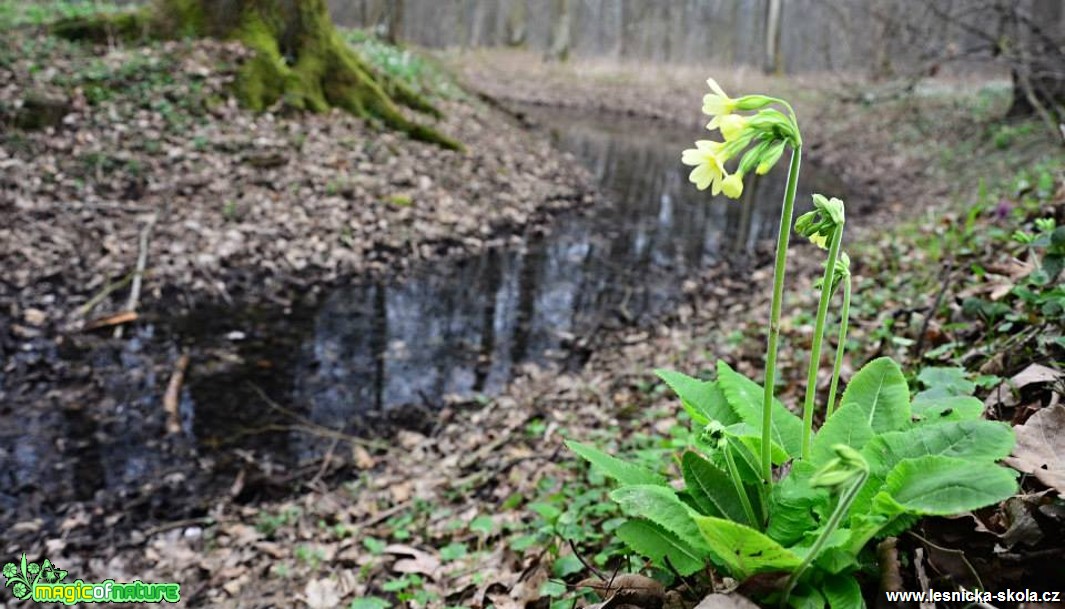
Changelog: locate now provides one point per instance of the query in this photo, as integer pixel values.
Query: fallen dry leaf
(419, 561)
(1035, 374)
(1040, 449)
(725, 601)
(321, 594)
(628, 589)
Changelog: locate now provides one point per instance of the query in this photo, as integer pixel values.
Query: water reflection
(454, 327)
(461, 328)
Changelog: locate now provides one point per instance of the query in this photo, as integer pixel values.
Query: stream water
(392, 348)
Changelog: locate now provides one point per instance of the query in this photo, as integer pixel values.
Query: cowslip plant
(879, 462)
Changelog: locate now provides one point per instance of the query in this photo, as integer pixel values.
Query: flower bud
(770, 158)
(732, 185)
(847, 466)
(753, 102)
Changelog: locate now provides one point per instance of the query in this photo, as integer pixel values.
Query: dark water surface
(456, 327)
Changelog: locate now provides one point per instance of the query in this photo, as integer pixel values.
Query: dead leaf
(419, 561)
(362, 457)
(321, 594)
(725, 601)
(1040, 449)
(1035, 374)
(629, 588)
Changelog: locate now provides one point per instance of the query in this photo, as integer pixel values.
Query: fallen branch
(172, 397)
(138, 273)
(117, 319)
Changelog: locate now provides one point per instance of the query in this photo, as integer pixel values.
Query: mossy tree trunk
(300, 58)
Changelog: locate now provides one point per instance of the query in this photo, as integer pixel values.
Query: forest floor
(488, 507)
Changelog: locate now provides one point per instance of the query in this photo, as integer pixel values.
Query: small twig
(958, 553)
(948, 278)
(573, 547)
(669, 565)
(104, 293)
(122, 317)
(325, 462)
(175, 524)
(138, 273)
(385, 515)
(172, 397)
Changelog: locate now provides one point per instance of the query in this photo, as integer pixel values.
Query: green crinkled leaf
(940, 486)
(711, 489)
(945, 382)
(985, 441)
(654, 542)
(849, 425)
(744, 551)
(622, 471)
(795, 506)
(661, 506)
(843, 592)
(703, 400)
(745, 398)
(806, 597)
(880, 390)
(933, 410)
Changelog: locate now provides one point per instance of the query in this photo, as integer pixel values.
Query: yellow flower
(732, 185)
(717, 103)
(819, 240)
(709, 167)
(731, 125)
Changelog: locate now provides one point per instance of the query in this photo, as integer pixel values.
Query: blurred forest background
(880, 38)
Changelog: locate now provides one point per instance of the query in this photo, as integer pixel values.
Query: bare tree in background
(395, 21)
(774, 59)
(1028, 37)
(516, 23)
(560, 31)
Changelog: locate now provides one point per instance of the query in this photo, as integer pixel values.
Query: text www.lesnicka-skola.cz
(975, 596)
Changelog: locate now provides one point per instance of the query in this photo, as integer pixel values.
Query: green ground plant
(761, 491)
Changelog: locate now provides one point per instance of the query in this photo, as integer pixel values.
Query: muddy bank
(245, 205)
(243, 222)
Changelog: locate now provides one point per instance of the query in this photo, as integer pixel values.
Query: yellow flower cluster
(769, 130)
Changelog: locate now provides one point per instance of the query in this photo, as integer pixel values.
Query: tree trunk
(300, 58)
(395, 22)
(517, 16)
(560, 32)
(774, 59)
(1038, 61)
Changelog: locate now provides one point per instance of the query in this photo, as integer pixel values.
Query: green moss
(264, 78)
(299, 58)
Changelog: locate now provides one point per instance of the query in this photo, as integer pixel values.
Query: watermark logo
(45, 583)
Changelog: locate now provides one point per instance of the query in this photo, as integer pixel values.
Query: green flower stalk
(770, 131)
(779, 269)
(843, 276)
(849, 467)
(824, 223)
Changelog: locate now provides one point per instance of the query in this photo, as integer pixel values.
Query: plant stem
(819, 336)
(833, 522)
(840, 347)
(783, 237)
(737, 482)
